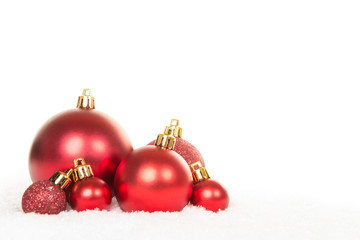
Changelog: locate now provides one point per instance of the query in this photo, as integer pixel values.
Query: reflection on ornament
(88, 192)
(153, 178)
(83, 132)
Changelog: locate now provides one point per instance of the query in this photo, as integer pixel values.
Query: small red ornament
(207, 193)
(47, 196)
(153, 178)
(79, 132)
(183, 147)
(88, 192)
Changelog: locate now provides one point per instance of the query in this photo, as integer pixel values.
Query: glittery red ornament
(207, 193)
(47, 196)
(183, 147)
(44, 197)
(81, 132)
(88, 192)
(152, 179)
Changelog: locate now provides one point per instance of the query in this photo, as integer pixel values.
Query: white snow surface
(249, 216)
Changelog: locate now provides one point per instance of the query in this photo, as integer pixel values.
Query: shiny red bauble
(90, 193)
(78, 133)
(210, 195)
(44, 197)
(153, 179)
(188, 151)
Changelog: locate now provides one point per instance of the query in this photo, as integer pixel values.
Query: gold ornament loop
(81, 171)
(165, 141)
(198, 172)
(62, 178)
(86, 101)
(174, 128)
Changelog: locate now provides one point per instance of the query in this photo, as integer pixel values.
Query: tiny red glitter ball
(44, 197)
(187, 151)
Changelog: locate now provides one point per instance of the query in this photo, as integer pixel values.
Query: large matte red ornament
(82, 132)
(188, 151)
(153, 179)
(88, 192)
(207, 193)
(47, 196)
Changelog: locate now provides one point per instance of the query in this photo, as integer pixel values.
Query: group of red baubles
(89, 158)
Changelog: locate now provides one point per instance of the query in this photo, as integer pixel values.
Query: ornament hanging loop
(174, 128)
(165, 141)
(86, 101)
(62, 178)
(198, 172)
(81, 171)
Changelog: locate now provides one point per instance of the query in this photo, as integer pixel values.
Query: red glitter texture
(187, 151)
(44, 197)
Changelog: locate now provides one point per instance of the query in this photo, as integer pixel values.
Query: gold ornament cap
(86, 101)
(81, 171)
(62, 178)
(167, 140)
(198, 172)
(174, 128)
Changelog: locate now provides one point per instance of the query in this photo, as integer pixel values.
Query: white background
(268, 91)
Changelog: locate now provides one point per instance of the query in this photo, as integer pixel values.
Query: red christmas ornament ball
(78, 133)
(44, 197)
(188, 151)
(153, 179)
(90, 193)
(210, 195)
